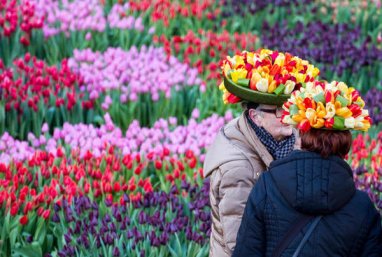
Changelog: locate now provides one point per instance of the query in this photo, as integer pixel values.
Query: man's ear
(255, 116)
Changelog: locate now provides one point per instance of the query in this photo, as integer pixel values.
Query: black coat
(304, 182)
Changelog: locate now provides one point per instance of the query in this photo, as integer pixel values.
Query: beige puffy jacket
(233, 162)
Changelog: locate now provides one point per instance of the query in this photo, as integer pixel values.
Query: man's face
(269, 117)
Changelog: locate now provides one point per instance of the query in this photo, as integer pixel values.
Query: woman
(307, 204)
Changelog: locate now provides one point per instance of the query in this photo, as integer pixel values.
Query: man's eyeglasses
(277, 112)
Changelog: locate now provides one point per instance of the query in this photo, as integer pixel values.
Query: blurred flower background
(107, 108)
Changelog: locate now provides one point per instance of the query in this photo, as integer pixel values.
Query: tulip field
(107, 109)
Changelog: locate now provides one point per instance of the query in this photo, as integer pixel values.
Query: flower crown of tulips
(266, 71)
(323, 105)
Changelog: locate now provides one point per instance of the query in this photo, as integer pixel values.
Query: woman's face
(269, 117)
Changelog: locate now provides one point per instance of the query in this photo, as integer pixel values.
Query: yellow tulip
(344, 112)
(265, 51)
(250, 58)
(300, 77)
(226, 68)
(255, 77)
(300, 103)
(343, 88)
(221, 86)
(238, 61)
(321, 111)
(310, 114)
(317, 123)
(366, 125)
(299, 117)
(348, 97)
(225, 97)
(280, 59)
(238, 74)
(360, 102)
(313, 118)
(272, 86)
(361, 124)
(265, 71)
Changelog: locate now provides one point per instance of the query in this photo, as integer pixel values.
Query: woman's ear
(255, 117)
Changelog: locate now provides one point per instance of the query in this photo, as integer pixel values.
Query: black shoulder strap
(291, 234)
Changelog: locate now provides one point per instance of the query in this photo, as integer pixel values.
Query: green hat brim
(254, 96)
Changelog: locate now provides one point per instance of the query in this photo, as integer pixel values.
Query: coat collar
(253, 141)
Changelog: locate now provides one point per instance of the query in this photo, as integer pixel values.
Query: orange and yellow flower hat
(323, 105)
(264, 76)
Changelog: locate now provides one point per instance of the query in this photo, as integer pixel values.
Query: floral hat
(264, 76)
(323, 105)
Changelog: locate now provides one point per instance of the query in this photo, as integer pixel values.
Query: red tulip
(23, 220)
(14, 209)
(192, 163)
(355, 109)
(158, 164)
(329, 123)
(304, 126)
(46, 214)
(117, 187)
(138, 169)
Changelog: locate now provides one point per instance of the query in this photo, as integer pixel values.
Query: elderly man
(243, 149)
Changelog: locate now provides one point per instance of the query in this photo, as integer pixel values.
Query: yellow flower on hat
(321, 110)
(300, 77)
(343, 88)
(314, 120)
(236, 61)
(342, 111)
(250, 58)
(226, 68)
(238, 74)
(280, 59)
(272, 86)
(300, 103)
(299, 117)
(312, 71)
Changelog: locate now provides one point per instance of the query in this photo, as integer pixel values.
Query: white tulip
(262, 85)
(350, 122)
(289, 86)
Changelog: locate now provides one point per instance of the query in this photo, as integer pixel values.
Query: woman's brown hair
(327, 142)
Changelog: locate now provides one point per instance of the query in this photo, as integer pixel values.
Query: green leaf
(13, 236)
(344, 102)
(32, 250)
(243, 82)
(319, 98)
(339, 122)
(279, 89)
(40, 231)
(293, 109)
(49, 242)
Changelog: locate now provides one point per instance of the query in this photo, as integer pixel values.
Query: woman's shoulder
(361, 206)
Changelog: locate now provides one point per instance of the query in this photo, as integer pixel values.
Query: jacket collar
(237, 134)
(253, 141)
